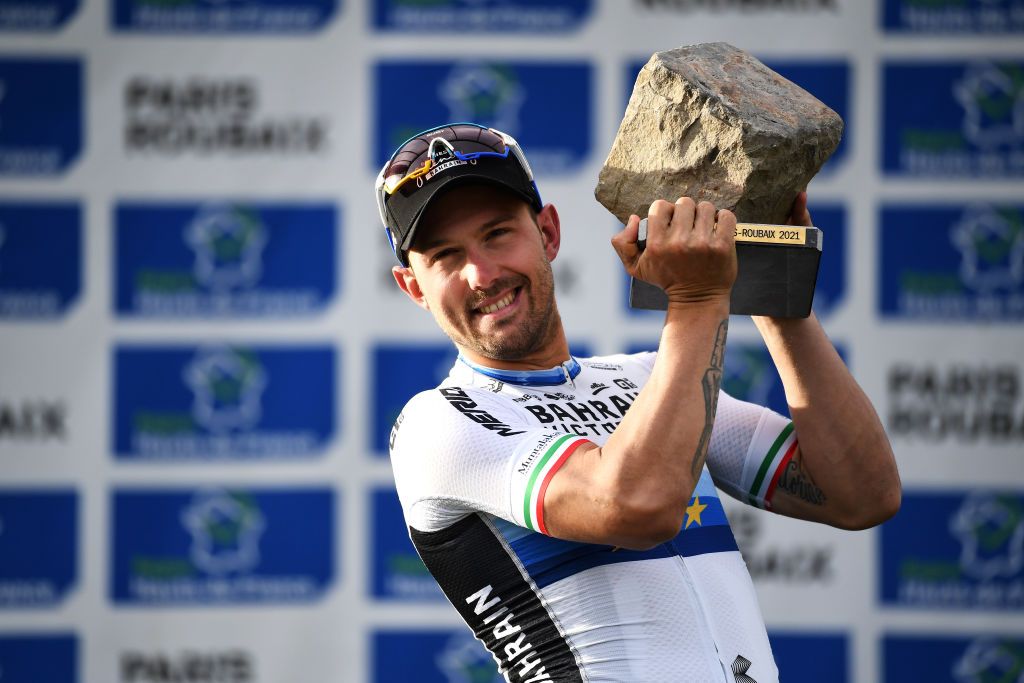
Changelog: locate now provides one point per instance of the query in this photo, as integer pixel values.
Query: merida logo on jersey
(461, 401)
(530, 667)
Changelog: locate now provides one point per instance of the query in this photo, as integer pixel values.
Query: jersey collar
(560, 374)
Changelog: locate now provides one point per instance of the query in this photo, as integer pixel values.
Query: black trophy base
(775, 280)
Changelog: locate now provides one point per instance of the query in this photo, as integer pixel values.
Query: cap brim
(409, 210)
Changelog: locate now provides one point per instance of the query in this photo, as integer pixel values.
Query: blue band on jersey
(547, 559)
(560, 374)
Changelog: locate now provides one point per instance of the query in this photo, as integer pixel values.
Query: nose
(480, 269)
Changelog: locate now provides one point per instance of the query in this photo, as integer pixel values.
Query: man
(579, 541)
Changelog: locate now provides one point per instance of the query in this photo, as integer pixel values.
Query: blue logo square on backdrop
(443, 656)
(35, 15)
(545, 106)
(39, 545)
(223, 402)
(533, 16)
(41, 112)
(953, 119)
(952, 263)
(434, 656)
(400, 371)
(222, 16)
(224, 259)
(831, 660)
(398, 572)
(40, 259)
(34, 658)
(955, 550)
(948, 17)
(979, 658)
(212, 546)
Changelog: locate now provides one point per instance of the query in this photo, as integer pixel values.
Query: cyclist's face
(481, 265)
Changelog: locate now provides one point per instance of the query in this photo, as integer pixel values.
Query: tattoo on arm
(710, 383)
(795, 481)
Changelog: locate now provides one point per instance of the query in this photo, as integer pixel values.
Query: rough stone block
(713, 123)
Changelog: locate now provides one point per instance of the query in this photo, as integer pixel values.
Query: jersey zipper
(715, 662)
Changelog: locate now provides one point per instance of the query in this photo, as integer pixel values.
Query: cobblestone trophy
(713, 123)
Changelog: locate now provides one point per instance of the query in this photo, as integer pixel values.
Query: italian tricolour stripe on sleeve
(533, 474)
(773, 446)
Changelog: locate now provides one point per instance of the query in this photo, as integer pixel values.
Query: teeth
(500, 304)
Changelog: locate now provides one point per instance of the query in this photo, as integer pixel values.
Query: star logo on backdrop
(228, 242)
(991, 244)
(693, 512)
(227, 386)
(993, 102)
(226, 530)
(987, 659)
(485, 93)
(464, 660)
(991, 533)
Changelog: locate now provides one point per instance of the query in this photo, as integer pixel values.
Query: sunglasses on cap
(436, 159)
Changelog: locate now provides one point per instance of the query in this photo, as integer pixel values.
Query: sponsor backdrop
(202, 352)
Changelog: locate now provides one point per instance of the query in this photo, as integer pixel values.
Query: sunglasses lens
(464, 138)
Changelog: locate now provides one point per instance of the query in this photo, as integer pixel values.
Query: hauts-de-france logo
(954, 119)
(36, 15)
(227, 385)
(948, 550)
(488, 94)
(546, 106)
(39, 544)
(40, 258)
(990, 660)
(37, 657)
(953, 263)
(991, 244)
(992, 96)
(41, 123)
(224, 259)
(228, 242)
(223, 401)
(991, 534)
(222, 16)
(958, 658)
(945, 17)
(465, 660)
(221, 544)
(226, 529)
(549, 16)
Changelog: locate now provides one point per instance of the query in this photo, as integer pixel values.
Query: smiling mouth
(501, 303)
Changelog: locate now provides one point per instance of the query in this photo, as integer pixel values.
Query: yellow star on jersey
(693, 512)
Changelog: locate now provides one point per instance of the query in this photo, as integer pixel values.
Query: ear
(407, 282)
(550, 230)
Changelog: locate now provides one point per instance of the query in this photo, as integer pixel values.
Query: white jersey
(472, 460)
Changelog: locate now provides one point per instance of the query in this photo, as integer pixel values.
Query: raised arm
(633, 491)
(843, 472)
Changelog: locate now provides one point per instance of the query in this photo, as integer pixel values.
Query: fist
(690, 251)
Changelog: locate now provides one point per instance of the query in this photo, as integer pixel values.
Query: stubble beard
(520, 339)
